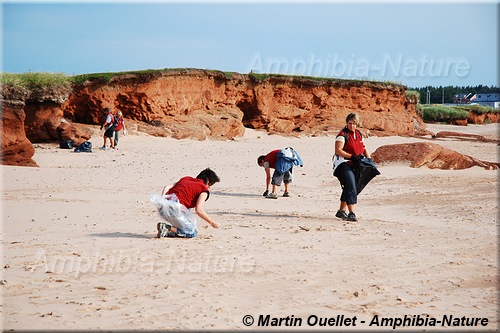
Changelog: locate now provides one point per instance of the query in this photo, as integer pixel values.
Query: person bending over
(178, 202)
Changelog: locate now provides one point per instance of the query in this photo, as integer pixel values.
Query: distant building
(487, 99)
(463, 98)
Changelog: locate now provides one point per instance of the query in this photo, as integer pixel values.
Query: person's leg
(181, 233)
(350, 208)
(351, 196)
(341, 212)
(348, 182)
(348, 197)
(166, 230)
(107, 135)
(274, 188)
(276, 181)
(117, 136)
(287, 179)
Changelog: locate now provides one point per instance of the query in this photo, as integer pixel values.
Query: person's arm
(366, 153)
(107, 122)
(165, 190)
(200, 209)
(268, 177)
(339, 150)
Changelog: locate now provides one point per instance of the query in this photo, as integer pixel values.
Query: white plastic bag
(172, 211)
(337, 160)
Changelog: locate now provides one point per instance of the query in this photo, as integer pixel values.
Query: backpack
(85, 147)
(346, 135)
(115, 121)
(68, 144)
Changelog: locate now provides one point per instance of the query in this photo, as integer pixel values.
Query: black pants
(347, 178)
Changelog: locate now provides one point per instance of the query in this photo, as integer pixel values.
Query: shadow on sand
(235, 194)
(122, 235)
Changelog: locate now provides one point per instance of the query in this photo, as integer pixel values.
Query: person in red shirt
(120, 127)
(346, 155)
(180, 200)
(268, 162)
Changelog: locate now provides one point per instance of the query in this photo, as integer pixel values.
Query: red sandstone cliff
(179, 100)
(191, 103)
(16, 149)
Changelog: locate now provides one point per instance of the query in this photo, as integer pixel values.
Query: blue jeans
(347, 178)
(181, 233)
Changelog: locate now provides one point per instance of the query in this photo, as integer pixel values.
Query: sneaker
(171, 234)
(341, 215)
(286, 194)
(272, 196)
(102, 148)
(351, 217)
(163, 229)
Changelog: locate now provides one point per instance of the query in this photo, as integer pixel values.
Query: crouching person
(178, 204)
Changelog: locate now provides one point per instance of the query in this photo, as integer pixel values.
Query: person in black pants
(349, 150)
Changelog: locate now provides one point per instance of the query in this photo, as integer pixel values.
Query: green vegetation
(108, 76)
(479, 109)
(262, 76)
(36, 80)
(33, 80)
(440, 113)
(430, 113)
(412, 95)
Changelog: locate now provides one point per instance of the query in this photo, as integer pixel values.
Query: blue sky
(418, 44)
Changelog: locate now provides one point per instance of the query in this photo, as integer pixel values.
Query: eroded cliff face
(16, 149)
(211, 104)
(199, 104)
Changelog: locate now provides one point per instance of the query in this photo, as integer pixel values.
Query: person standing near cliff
(109, 129)
(350, 150)
(120, 126)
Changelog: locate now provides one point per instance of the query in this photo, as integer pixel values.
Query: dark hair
(209, 176)
(106, 110)
(261, 159)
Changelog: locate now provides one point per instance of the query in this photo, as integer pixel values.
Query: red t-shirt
(188, 189)
(354, 146)
(120, 124)
(271, 158)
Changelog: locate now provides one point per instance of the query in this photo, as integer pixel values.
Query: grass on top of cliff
(349, 82)
(36, 80)
(147, 74)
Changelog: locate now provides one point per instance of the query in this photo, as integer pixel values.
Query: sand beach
(79, 246)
